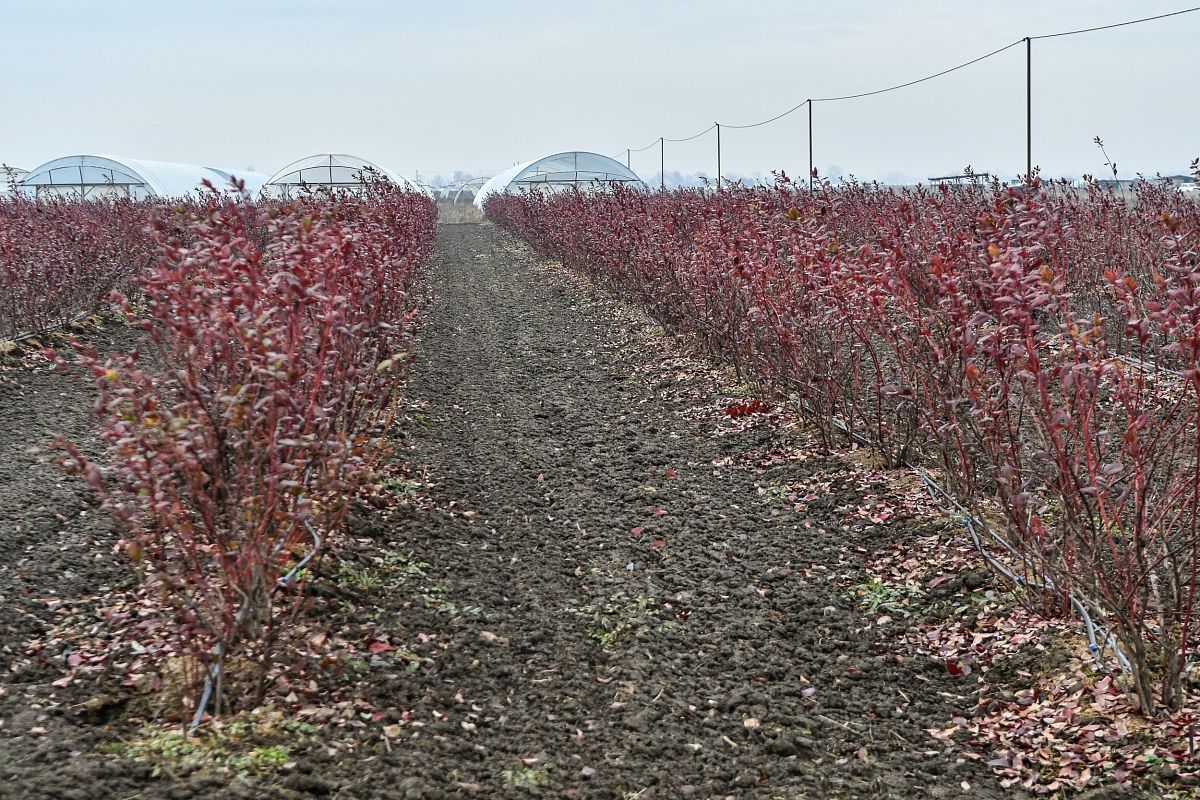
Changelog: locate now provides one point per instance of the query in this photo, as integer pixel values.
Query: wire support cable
(693, 136)
(1117, 24)
(905, 85)
(955, 68)
(775, 118)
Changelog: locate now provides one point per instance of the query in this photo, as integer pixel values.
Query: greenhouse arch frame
(331, 172)
(578, 169)
(94, 177)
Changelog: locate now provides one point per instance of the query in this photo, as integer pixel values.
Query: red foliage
(275, 334)
(746, 409)
(1039, 343)
(60, 259)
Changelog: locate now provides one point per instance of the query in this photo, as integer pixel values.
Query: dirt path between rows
(51, 540)
(608, 606)
(633, 663)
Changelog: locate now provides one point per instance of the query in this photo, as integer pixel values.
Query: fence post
(718, 155)
(810, 105)
(1028, 108)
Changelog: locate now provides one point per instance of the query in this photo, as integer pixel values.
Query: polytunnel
(331, 172)
(91, 177)
(463, 190)
(9, 178)
(575, 168)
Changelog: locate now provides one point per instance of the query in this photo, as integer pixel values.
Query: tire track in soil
(621, 667)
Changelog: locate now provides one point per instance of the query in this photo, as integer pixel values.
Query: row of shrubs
(59, 259)
(254, 406)
(1038, 345)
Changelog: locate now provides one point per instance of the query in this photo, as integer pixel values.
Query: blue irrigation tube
(938, 494)
(1095, 634)
(214, 669)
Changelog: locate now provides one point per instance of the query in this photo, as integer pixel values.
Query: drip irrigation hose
(302, 563)
(214, 670)
(938, 495)
(1095, 633)
(58, 326)
(210, 680)
(1148, 366)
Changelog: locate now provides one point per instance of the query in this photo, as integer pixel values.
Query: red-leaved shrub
(1040, 344)
(60, 259)
(274, 336)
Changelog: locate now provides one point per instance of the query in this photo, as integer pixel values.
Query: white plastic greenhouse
(10, 176)
(330, 172)
(463, 190)
(91, 177)
(575, 168)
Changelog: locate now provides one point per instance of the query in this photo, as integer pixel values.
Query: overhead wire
(631, 150)
(1117, 24)
(693, 136)
(796, 107)
(918, 80)
(1098, 638)
(906, 84)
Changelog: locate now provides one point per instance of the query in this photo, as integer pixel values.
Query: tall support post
(627, 159)
(718, 155)
(1028, 108)
(662, 163)
(810, 166)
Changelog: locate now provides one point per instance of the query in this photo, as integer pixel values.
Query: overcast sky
(478, 85)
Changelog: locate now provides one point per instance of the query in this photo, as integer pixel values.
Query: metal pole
(809, 144)
(662, 168)
(718, 155)
(1028, 108)
(627, 158)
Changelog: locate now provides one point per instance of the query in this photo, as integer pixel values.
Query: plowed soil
(580, 641)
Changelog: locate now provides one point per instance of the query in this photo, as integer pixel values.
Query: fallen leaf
(957, 669)
(938, 581)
